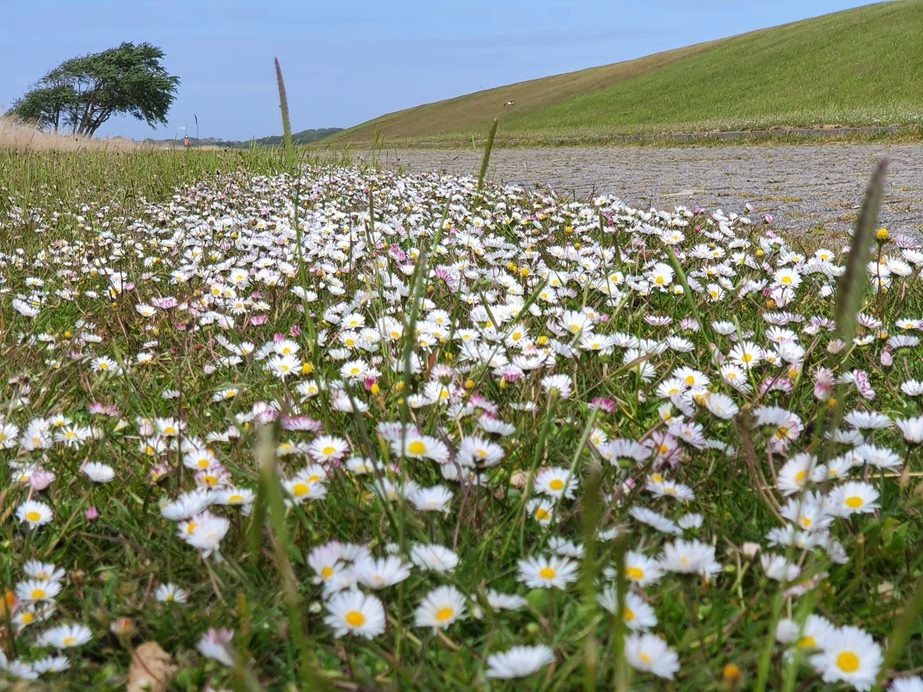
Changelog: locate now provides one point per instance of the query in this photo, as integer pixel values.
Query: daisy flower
(353, 612)
(853, 497)
(98, 472)
(911, 429)
(690, 557)
(503, 601)
(37, 590)
(65, 636)
(44, 571)
(214, 644)
(650, 653)
(518, 662)
(850, 655)
(547, 572)
(815, 634)
(379, 573)
(440, 608)
(641, 570)
(560, 384)
(33, 513)
(435, 499)
(638, 615)
(328, 448)
(433, 557)
(556, 482)
(170, 593)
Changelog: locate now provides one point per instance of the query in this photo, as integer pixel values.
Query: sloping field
(856, 68)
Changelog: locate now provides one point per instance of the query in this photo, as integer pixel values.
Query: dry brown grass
(17, 136)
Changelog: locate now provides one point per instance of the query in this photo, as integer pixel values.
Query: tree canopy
(82, 93)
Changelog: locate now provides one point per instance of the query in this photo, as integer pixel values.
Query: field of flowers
(361, 430)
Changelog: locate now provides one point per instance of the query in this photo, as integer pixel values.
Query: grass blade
(487, 149)
(854, 281)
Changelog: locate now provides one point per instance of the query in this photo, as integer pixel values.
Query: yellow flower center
(444, 614)
(629, 614)
(300, 489)
(33, 515)
(547, 573)
(355, 619)
(37, 593)
(326, 571)
(541, 513)
(645, 658)
(847, 661)
(556, 484)
(634, 573)
(807, 642)
(26, 618)
(235, 498)
(67, 641)
(853, 502)
(799, 476)
(417, 447)
(328, 450)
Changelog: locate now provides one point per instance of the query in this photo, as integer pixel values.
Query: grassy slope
(861, 66)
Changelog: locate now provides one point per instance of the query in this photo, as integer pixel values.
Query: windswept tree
(83, 93)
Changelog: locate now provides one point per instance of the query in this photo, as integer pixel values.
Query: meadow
(861, 67)
(335, 427)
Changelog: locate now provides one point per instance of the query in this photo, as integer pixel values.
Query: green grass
(861, 67)
(228, 212)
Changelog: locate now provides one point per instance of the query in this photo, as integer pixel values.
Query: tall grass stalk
(270, 496)
(491, 133)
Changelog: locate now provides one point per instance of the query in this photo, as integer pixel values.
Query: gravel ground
(813, 189)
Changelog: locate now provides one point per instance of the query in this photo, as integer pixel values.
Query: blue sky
(348, 61)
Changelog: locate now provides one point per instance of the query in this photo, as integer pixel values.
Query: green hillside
(854, 68)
